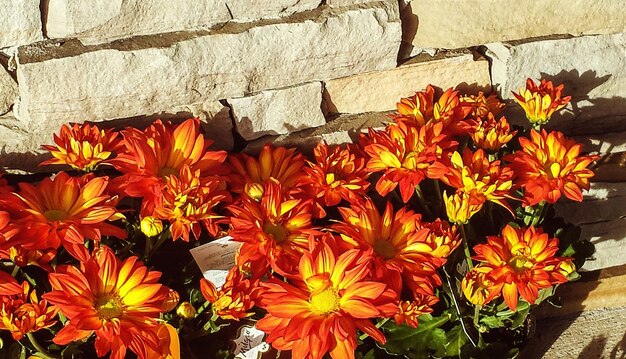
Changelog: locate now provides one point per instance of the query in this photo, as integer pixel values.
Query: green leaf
(421, 342)
(492, 322)
(520, 315)
(456, 339)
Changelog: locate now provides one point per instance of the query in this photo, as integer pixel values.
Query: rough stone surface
(145, 75)
(343, 129)
(216, 122)
(338, 3)
(593, 69)
(593, 334)
(107, 20)
(8, 91)
(602, 218)
(20, 149)
(380, 91)
(277, 112)
(444, 23)
(20, 22)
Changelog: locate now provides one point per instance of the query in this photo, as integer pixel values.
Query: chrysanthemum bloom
(489, 134)
(480, 179)
(410, 310)
(83, 147)
(477, 287)
(398, 241)
(64, 211)
(482, 105)
(24, 313)
(422, 108)
(406, 155)
(169, 344)
(329, 299)
(119, 301)
(161, 150)
(336, 174)
(280, 163)
(23, 257)
(235, 299)
(460, 207)
(540, 102)
(274, 230)
(518, 262)
(442, 239)
(549, 165)
(188, 202)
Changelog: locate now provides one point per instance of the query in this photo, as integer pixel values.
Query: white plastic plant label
(249, 343)
(216, 258)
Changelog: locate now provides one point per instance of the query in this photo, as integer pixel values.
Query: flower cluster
(335, 250)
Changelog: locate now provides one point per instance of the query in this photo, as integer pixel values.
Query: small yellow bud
(186, 310)
(151, 226)
(254, 190)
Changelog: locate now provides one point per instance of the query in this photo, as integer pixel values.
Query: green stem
(439, 196)
(466, 249)
(16, 269)
(420, 197)
(539, 213)
(41, 352)
(476, 315)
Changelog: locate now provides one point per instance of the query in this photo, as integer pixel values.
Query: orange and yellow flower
(188, 201)
(541, 102)
(518, 262)
(149, 156)
(416, 109)
(66, 211)
(410, 310)
(249, 174)
(399, 243)
(460, 207)
(550, 165)
(83, 147)
(330, 298)
(274, 230)
(482, 105)
(407, 155)
(336, 174)
(119, 301)
(235, 299)
(489, 134)
(480, 179)
(23, 313)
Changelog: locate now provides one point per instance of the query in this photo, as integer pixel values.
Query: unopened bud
(186, 310)
(151, 226)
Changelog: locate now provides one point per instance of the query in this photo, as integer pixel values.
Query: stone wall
(297, 71)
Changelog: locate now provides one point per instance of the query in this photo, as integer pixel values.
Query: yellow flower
(460, 207)
(151, 226)
(186, 310)
(540, 102)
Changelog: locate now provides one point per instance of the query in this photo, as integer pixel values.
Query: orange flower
(398, 242)
(8, 284)
(188, 201)
(460, 207)
(83, 147)
(540, 102)
(159, 151)
(235, 299)
(330, 299)
(409, 311)
(518, 262)
(482, 105)
(118, 300)
(64, 211)
(274, 230)
(406, 155)
(23, 313)
(336, 174)
(549, 165)
(280, 163)
(480, 179)
(489, 134)
(443, 239)
(417, 109)
(23, 257)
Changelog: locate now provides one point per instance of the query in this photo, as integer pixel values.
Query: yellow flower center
(325, 302)
(384, 249)
(109, 306)
(277, 231)
(520, 263)
(55, 215)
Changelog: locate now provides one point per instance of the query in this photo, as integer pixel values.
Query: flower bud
(254, 190)
(151, 226)
(186, 310)
(171, 300)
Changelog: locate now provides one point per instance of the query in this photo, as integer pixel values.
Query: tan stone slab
(275, 112)
(593, 69)
(103, 21)
(458, 24)
(146, 75)
(380, 91)
(20, 22)
(8, 91)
